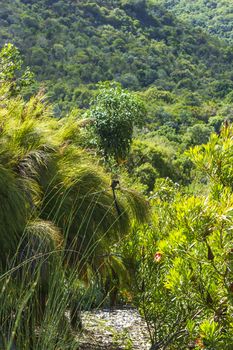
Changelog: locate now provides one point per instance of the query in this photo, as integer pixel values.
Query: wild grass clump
(58, 222)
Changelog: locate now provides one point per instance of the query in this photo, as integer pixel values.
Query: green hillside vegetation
(215, 17)
(72, 45)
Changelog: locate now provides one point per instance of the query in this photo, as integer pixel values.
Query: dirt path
(122, 329)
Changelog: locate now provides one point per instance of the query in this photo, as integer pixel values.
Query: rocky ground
(121, 329)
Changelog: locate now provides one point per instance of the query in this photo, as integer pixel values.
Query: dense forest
(70, 46)
(116, 150)
(216, 17)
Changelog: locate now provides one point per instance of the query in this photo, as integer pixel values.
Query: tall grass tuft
(58, 222)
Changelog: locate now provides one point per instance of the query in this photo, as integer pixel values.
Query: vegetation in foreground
(60, 216)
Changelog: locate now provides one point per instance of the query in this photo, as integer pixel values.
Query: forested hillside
(216, 17)
(69, 44)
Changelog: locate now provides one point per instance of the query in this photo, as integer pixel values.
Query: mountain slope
(73, 43)
(216, 17)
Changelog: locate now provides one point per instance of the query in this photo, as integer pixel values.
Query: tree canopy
(115, 113)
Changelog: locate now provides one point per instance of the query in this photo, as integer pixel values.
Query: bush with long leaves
(57, 210)
(183, 262)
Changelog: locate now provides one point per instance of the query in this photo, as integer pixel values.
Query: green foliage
(214, 16)
(198, 134)
(147, 175)
(152, 158)
(115, 113)
(11, 68)
(10, 61)
(138, 44)
(182, 262)
(215, 158)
